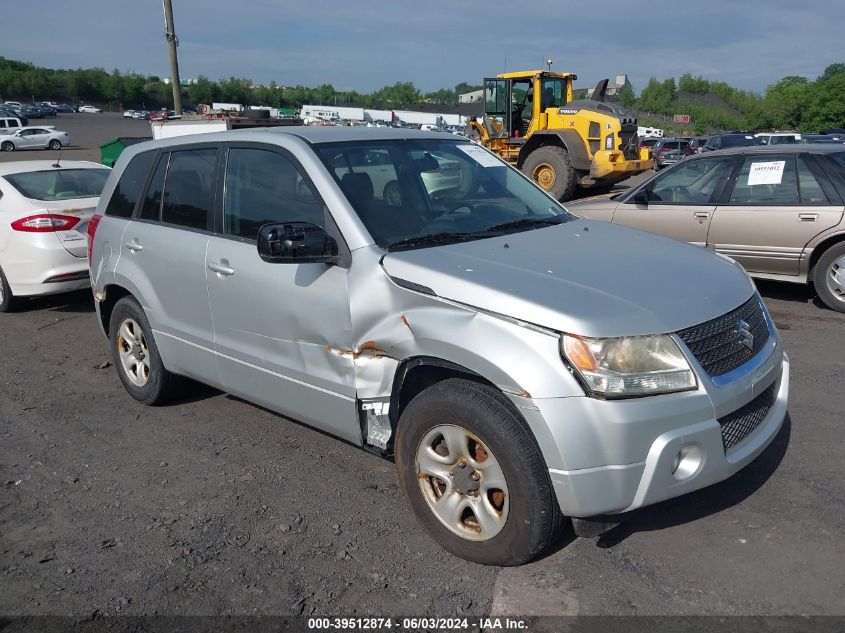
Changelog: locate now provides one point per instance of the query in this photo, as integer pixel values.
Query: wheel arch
(566, 139)
(820, 249)
(417, 373)
(112, 293)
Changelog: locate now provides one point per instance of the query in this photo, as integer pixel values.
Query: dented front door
(280, 330)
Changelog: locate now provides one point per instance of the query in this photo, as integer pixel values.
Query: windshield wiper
(528, 223)
(431, 240)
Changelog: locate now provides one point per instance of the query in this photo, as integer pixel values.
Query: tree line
(25, 81)
(793, 103)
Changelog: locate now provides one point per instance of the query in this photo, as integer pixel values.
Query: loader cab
(517, 104)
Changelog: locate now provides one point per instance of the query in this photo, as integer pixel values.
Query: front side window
(691, 182)
(766, 179)
(436, 191)
(495, 96)
(60, 184)
(264, 187)
(189, 189)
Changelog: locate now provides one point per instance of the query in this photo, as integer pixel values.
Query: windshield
(412, 193)
(60, 184)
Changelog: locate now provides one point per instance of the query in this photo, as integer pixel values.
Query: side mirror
(640, 197)
(296, 243)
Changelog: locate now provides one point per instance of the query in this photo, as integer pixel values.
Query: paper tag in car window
(768, 173)
(481, 155)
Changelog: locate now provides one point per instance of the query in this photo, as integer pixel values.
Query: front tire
(550, 167)
(474, 475)
(7, 146)
(829, 277)
(136, 357)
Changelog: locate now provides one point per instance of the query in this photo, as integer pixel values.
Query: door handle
(221, 268)
(702, 214)
(134, 246)
(808, 217)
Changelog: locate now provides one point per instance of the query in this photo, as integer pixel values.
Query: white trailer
(184, 127)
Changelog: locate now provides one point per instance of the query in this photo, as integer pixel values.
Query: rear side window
(189, 189)
(766, 180)
(810, 189)
(151, 207)
(264, 187)
(128, 189)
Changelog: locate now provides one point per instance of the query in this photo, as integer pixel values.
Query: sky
(436, 43)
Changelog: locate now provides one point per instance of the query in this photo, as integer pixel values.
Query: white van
(9, 125)
(778, 138)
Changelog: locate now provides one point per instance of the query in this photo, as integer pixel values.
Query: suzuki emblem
(746, 338)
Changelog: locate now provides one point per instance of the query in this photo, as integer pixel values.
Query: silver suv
(522, 364)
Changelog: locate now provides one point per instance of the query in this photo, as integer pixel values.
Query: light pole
(172, 43)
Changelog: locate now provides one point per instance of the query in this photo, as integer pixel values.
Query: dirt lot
(214, 506)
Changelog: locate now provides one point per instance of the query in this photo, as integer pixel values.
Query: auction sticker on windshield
(480, 155)
(768, 173)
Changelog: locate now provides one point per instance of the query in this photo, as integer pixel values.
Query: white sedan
(89, 109)
(35, 138)
(43, 235)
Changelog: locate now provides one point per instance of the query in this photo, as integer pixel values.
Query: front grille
(630, 142)
(719, 345)
(738, 425)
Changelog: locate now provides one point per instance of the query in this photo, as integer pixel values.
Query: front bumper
(611, 457)
(611, 166)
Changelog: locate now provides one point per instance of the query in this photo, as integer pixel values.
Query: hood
(582, 277)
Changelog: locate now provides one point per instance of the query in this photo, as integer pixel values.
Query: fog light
(687, 462)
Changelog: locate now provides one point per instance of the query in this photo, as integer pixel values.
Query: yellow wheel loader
(531, 120)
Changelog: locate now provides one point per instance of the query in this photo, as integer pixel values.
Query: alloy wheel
(462, 482)
(134, 353)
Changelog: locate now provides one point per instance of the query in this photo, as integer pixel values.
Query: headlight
(629, 366)
(609, 141)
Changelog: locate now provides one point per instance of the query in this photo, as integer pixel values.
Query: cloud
(438, 43)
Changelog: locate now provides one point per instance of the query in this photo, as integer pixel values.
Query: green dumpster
(111, 150)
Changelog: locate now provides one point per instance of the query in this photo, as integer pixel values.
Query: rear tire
(7, 146)
(472, 436)
(829, 277)
(54, 145)
(550, 167)
(135, 355)
(8, 302)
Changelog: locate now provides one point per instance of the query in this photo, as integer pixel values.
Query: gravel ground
(214, 506)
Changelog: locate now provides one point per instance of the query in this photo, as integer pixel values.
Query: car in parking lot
(823, 138)
(778, 138)
(45, 210)
(728, 140)
(89, 109)
(777, 210)
(521, 363)
(45, 137)
(668, 151)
